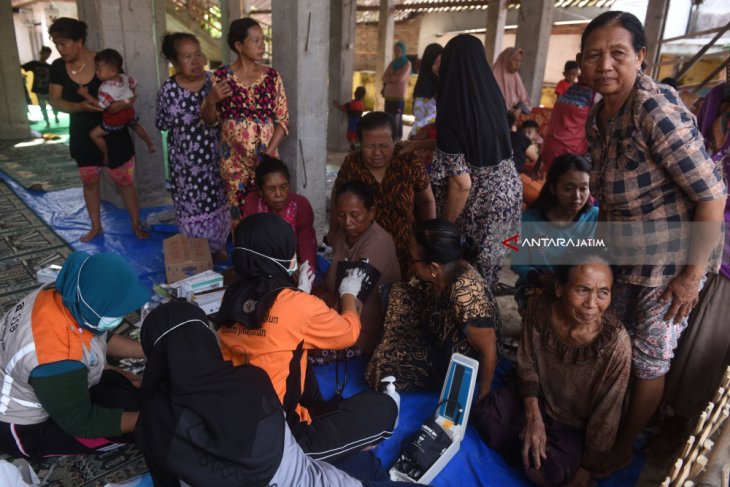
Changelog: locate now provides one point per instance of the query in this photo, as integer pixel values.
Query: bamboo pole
(698, 467)
(676, 469)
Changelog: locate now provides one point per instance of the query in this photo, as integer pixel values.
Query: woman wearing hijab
(265, 321)
(507, 73)
(473, 175)
(55, 400)
(395, 85)
(424, 93)
(198, 409)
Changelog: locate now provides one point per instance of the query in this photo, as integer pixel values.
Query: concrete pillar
(496, 20)
(656, 18)
(13, 110)
(301, 54)
(134, 29)
(230, 11)
(386, 30)
(342, 50)
(534, 24)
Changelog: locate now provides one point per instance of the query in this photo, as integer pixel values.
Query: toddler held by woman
(116, 95)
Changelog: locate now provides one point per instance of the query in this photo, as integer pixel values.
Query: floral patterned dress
(491, 214)
(248, 118)
(193, 154)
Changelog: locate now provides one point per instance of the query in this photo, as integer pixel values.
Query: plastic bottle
(390, 390)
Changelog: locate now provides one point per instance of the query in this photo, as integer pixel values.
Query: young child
(531, 129)
(571, 71)
(354, 111)
(115, 87)
(524, 149)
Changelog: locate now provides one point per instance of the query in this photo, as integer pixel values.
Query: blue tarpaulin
(474, 464)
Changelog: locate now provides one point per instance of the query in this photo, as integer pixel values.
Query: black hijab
(427, 82)
(262, 279)
(472, 118)
(202, 420)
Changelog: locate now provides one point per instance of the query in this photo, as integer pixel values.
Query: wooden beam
(714, 73)
(686, 67)
(656, 18)
(692, 35)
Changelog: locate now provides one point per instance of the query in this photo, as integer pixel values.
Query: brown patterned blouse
(395, 197)
(582, 387)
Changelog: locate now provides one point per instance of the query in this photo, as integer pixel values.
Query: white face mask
(106, 323)
(293, 264)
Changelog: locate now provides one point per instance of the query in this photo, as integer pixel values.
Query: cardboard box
(185, 257)
(199, 283)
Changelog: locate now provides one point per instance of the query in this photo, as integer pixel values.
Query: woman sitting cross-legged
(205, 422)
(359, 238)
(562, 210)
(58, 396)
(573, 368)
(275, 196)
(266, 321)
(449, 310)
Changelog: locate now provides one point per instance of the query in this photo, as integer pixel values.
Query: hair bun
(469, 250)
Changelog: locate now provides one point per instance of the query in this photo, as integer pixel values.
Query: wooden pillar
(534, 25)
(656, 19)
(496, 20)
(13, 110)
(301, 55)
(386, 30)
(342, 51)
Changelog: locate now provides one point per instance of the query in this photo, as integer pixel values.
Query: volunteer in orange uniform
(56, 396)
(266, 321)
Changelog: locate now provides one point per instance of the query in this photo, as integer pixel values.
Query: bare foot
(140, 232)
(220, 256)
(91, 234)
(152, 148)
(105, 160)
(618, 460)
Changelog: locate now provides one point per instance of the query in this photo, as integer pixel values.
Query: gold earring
(433, 274)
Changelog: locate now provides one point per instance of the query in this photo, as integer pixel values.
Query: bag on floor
(424, 448)
(18, 474)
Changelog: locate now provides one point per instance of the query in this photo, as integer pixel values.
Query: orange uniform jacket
(295, 317)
